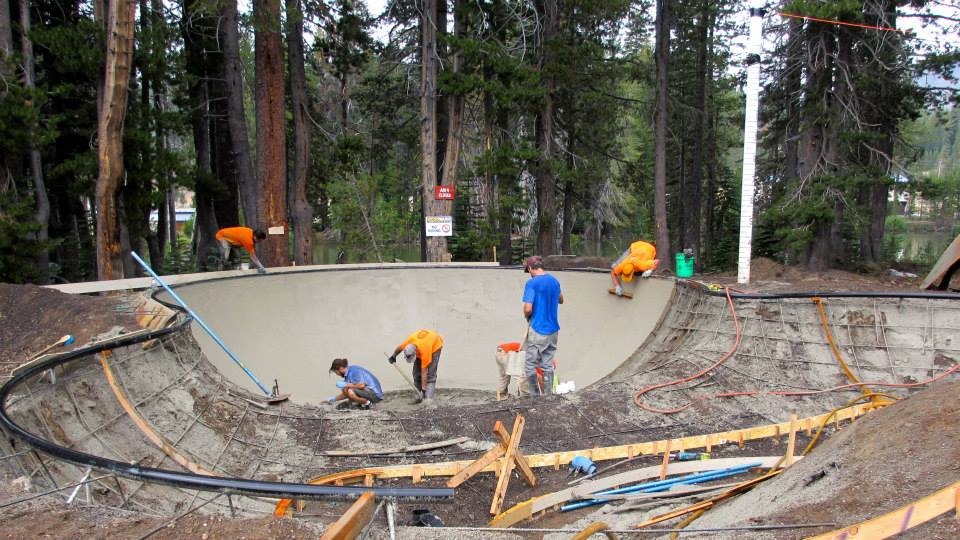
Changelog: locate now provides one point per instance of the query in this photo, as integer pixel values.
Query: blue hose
(661, 485)
(200, 322)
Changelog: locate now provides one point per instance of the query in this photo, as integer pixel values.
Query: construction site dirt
(877, 463)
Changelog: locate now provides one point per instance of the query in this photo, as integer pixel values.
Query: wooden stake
(666, 461)
(791, 441)
(498, 494)
(518, 458)
(489, 457)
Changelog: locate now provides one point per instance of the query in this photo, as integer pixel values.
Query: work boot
(418, 398)
(431, 391)
(533, 385)
(547, 384)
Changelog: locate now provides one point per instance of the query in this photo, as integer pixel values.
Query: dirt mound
(881, 462)
(767, 275)
(33, 318)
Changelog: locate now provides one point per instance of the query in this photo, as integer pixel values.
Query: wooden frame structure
(417, 471)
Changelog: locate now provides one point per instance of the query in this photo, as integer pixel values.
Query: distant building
(183, 216)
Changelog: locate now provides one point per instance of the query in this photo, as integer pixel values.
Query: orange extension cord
(637, 398)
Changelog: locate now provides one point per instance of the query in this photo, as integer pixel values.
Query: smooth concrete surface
(290, 326)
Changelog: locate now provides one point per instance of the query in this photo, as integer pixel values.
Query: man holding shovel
(422, 348)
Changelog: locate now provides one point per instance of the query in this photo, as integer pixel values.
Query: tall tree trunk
(568, 201)
(36, 165)
(693, 198)
(301, 213)
(545, 177)
(170, 209)
(6, 43)
(435, 247)
(454, 113)
(794, 86)
(661, 54)
(236, 114)
(271, 135)
(205, 223)
(874, 193)
(120, 16)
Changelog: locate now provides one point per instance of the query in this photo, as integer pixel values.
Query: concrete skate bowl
(209, 437)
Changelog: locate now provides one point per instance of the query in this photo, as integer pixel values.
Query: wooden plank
(507, 467)
(405, 449)
(352, 522)
(526, 509)
(556, 459)
(480, 464)
(666, 461)
(340, 477)
(901, 519)
(791, 442)
(145, 428)
(518, 458)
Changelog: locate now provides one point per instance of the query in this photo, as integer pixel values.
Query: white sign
(439, 225)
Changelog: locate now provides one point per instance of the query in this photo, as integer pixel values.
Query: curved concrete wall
(290, 326)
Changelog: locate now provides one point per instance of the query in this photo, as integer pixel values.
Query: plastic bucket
(684, 265)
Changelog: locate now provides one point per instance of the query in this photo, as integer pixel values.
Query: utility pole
(754, 48)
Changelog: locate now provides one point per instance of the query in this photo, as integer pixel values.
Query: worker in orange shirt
(422, 349)
(244, 237)
(641, 257)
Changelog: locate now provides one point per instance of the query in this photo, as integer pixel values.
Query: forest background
(564, 127)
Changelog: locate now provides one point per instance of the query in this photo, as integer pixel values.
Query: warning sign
(439, 225)
(444, 193)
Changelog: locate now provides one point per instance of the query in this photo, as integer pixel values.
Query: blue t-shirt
(356, 374)
(544, 293)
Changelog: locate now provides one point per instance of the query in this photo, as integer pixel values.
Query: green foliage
(19, 248)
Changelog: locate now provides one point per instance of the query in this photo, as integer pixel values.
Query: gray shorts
(367, 393)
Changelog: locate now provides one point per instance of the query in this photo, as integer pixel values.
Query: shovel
(416, 390)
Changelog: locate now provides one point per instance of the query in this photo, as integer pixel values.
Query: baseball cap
(410, 350)
(533, 261)
(628, 271)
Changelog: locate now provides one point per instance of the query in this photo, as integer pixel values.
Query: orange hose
(729, 353)
(863, 385)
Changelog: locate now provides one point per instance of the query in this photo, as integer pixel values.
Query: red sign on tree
(444, 193)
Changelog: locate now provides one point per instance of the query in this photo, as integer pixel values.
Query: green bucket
(684, 265)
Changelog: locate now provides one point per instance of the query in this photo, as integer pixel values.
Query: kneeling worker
(358, 385)
(244, 237)
(641, 257)
(422, 348)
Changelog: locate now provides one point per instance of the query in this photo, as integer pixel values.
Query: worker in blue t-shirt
(358, 385)
(541, 299)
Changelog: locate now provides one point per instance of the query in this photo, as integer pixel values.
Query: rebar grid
(696, 332)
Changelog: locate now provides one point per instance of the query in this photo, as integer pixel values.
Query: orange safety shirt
(237, 236)
(427, 342)
(641, 257)
(643, 250)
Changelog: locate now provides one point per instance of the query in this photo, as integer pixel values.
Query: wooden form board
(901, 519)
(145, 428)
(558, 459)
(338, 478)
(352, 522)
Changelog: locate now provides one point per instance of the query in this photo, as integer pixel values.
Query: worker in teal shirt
(541, 299)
